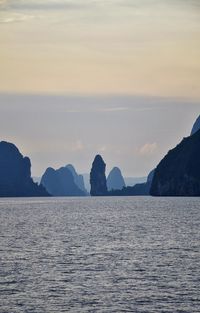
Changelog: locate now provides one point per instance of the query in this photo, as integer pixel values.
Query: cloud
(77, 146)
(115, 109)
(24, 5)
(97, 110)
(21, 10)
(102, 148)
(17, 17)
(148, 149)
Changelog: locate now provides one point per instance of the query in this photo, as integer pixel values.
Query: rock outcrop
(60, 183)
(178, 174)
(78, 179)
(196, 126)
(15, 174)
(115, 180)
(98, 177)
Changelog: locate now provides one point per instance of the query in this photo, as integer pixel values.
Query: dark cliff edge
(196, 126)
(178, 173)
(15, 174)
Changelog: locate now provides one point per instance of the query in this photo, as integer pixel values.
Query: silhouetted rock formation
(98, 177)
(196, 126)
(115, 180)
(60, 182)
(178, 174)
(15, 174)
(78, 179)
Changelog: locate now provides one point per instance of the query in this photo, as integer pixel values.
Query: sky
(116, 77)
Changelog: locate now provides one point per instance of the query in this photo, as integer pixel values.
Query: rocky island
(98, 177)
(15, 174)
(178, 173)
(61, 182)
(115, 179)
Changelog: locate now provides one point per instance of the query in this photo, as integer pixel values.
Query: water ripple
(139, 255)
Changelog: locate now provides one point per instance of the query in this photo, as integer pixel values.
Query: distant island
(177, 174)
(115, 180)
(63, 182)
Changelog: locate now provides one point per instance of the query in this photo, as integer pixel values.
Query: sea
(112, 254)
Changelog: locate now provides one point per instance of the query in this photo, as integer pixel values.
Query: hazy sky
(101, 46)
(147, 51)
(131, 132)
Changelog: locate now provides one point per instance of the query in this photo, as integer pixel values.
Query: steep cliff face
(196, 126)
(78, 179)
(115, 180)
(150, 176)
(15, 174)
(178, 174)
(98, 177)
(60, 183)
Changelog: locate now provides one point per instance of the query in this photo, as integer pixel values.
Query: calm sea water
(136, 254)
